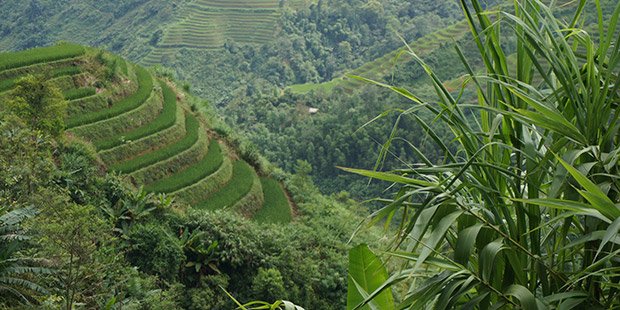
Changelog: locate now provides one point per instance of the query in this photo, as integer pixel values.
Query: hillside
(118, 190)
(143, 127)
(209, 24)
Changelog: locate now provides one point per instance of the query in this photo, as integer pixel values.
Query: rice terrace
(141, 127)
(207, 24)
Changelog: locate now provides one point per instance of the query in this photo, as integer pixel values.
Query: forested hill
(282, 42)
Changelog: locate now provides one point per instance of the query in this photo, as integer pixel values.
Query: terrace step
(242, 193)
(131, 150)
(191, 174)
(119, 125)
(182, 161)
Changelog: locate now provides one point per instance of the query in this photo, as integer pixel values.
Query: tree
(74, 236)
(39, 103)
(26, 163)
(524, 212)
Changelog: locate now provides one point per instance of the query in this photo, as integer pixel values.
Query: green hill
(142, 126)
(388, 63)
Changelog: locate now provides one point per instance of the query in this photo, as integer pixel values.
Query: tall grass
(39, 55)
(145, 87)
(524, 212)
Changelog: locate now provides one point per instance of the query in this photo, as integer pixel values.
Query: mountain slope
(141, 126)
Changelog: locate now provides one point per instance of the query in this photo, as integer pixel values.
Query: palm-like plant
(526, 212)
(15, 283)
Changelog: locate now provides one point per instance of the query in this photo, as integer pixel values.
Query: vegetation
(192, 128)
(204, 188)
(147, 144)
(524, 212)
(166, 119)
(500, 172)
(145, 87)
(14, 270)
(39, 103)
(119, 125)
(86, 105)
(79, 93)
(34, 56)
(192, 174)
(276, 208)
(107, 244)
(238, 186)
(7, 84)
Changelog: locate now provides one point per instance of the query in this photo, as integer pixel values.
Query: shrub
(155, 251)
(145, 87)
(268, 284)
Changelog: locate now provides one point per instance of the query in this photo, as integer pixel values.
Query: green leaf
(592, 193)
(525, 297)
(466, 243)
(612, 231)
(366, 274)
(389, 177)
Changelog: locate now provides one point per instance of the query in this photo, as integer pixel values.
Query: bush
(268, 285)
(155, 251)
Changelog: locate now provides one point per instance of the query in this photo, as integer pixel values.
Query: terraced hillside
(207, 24)
(142, 127)
(386, 64)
